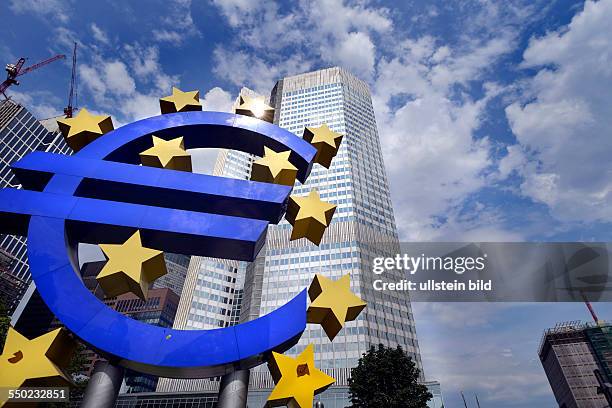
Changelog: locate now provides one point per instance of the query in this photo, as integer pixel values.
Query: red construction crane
(15, 70)
(73, 94)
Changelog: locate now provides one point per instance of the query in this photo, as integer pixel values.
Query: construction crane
(72, 95)
(590, 308)
(15, 70)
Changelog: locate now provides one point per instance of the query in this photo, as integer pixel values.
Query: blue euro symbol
(101, 194)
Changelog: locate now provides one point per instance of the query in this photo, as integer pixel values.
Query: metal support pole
(103, 386)
(319, 404)
(234, 389)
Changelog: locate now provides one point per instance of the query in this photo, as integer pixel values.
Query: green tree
(75, 369)
(387, 377)
(5, 322)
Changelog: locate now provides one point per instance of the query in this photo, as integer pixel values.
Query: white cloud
(139, 106)
(218, 100)
(92, 80)
(501, 365)
(99, 34)
(355, 52)
(113, 88)
(441, 162)
(245, 69)
(116, 85)
(146, 66)
(513, 160)
(63, 42)
(566, 118)
(335, 18)
(43, 105)
(176, 24)
(417, 90)
(343, 32)
(339, 33)
(6, 52)
(56, 9)
(236, 11)
(117, 78)
(170, 36)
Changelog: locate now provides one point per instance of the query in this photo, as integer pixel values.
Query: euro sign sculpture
(102, 195)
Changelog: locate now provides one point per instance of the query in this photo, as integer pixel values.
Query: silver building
(363, 227)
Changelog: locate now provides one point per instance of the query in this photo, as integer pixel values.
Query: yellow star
(167, 154)
(180, 101)
(36, 362)
(255, 107)
(130, 267)
(309, 216)
(274, 168)
(332, 303)
(326, 141)
(84, 128)
(297, 380)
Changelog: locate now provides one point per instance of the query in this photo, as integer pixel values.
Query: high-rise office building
(570, 353)
(176, 265)
(20, 134)
(363, 227)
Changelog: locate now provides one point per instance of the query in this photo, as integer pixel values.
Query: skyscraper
(570, 353)
(20, 134)
(176, 265)
(363, 227)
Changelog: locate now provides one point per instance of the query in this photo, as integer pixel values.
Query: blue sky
(501, 111)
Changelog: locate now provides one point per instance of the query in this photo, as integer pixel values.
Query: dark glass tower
(20, 134)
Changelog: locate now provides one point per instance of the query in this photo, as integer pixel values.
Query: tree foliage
(5, 322)
(387, 377)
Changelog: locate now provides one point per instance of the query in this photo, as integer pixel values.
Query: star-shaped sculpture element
(37, 362)
(274, 168)
(326, 141)
(84, 128)
(309, 216)
(255, 107)
(297, 380)
(130, 267)
(167, 154)
(333, 304)
(180, 101)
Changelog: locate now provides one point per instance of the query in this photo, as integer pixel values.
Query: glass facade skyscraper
(363, 227)
(20, 134)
